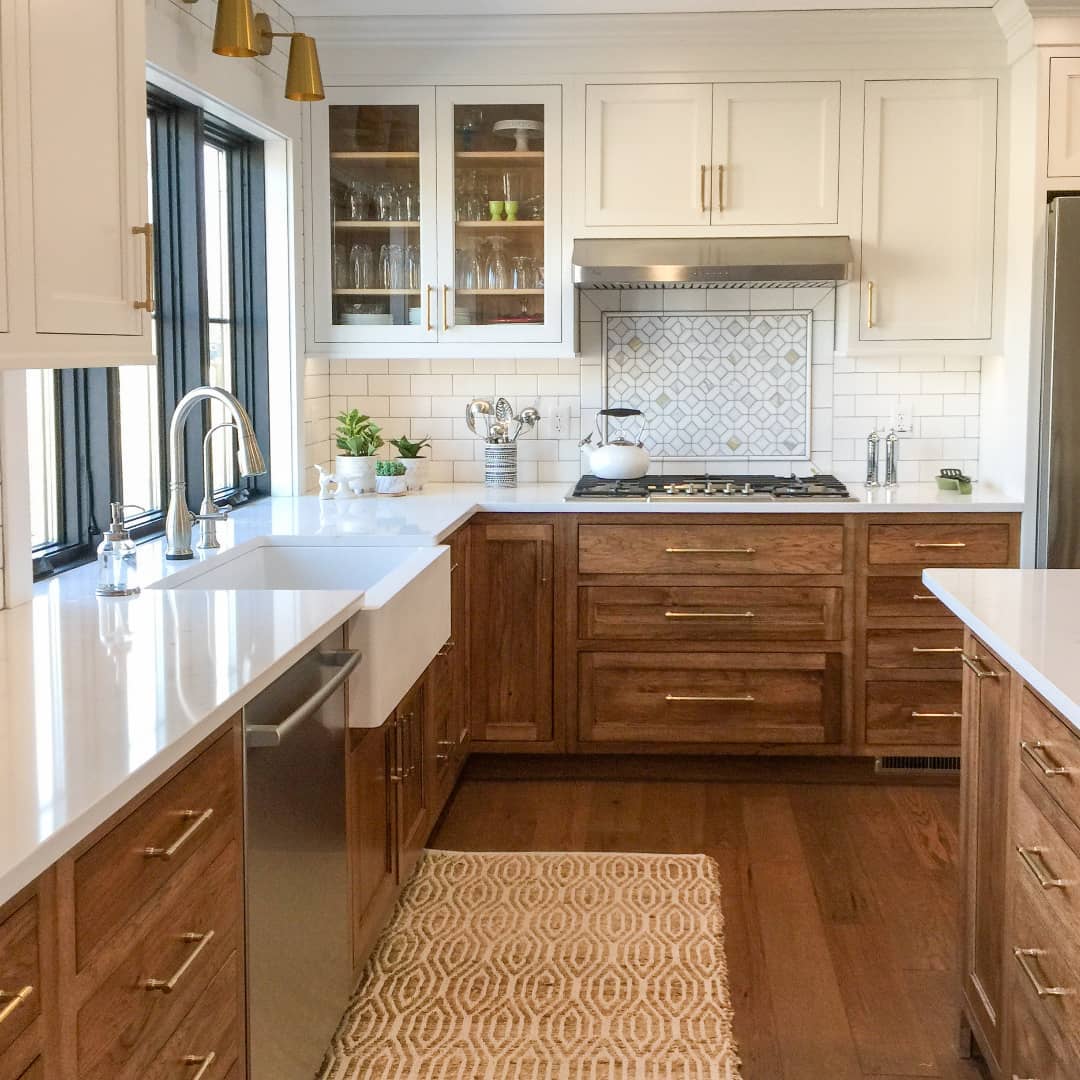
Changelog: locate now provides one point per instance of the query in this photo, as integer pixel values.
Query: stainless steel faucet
(179, 519)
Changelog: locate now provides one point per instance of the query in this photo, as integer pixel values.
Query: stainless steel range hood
(711, 262)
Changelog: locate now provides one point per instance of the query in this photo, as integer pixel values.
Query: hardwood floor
(839, 904)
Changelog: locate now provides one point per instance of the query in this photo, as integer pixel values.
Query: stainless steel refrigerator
(1058, 521)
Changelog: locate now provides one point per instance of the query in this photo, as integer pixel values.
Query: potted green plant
(390, 478)
(358, 441)
(409, 456)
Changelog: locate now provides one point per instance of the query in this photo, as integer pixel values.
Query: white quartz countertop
(100, 697)
(1030, 618)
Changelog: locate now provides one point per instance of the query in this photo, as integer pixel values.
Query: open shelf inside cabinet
(375, 225)
(500, 224)
(498, 157)
(375, 156)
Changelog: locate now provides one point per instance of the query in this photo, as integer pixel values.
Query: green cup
(511, 209)
(496, 206)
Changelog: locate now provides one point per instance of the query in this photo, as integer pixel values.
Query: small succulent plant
(357, 434)
(407, 448)
(389, 468)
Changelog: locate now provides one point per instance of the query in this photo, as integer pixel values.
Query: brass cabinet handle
(704, 173)
(445, 307)
(147, 232)
(869, 305)
(709, 697)
(978, 668)
(167, 986)
(204, 1062)
(394, 774)
(1023, 958)
(937, 716)
(708, 614)
(1032, 858)
(445, 745)
(454, 566)
(446, 649)
(14, 1000)
(940, 544)
(1037, 752)
(710, 551)
(923, 596)
(949, 649)
(428, 289)
(719, 187)
(198, 819)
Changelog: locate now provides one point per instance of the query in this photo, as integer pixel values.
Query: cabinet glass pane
(375, 214)
(499, 209)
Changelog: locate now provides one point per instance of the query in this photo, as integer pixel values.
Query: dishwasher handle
(269, 735)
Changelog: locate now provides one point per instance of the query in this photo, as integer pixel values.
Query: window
(99, 435)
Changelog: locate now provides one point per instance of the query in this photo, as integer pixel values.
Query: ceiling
(419, 8)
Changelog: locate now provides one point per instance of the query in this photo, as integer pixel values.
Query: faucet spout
(178, 519)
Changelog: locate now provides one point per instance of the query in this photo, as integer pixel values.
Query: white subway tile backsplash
(517, 386)
(410, 406)
(772, 299)
(398, 383)
(342, 384)
(365, 367)
(899, 383)
(474, 385)
(963, 363)
(943, 382)
(431, 384)
(922, 363)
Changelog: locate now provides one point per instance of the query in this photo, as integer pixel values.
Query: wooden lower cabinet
(411, 780)
(924, 712)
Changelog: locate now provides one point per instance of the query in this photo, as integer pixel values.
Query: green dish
(950, 483)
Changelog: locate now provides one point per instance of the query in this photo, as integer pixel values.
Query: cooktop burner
(711, 488)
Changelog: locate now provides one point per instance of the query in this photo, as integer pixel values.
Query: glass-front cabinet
(437, 215)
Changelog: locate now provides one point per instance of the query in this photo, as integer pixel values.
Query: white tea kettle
(619, 458)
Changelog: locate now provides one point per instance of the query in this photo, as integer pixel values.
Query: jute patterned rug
(546, 967)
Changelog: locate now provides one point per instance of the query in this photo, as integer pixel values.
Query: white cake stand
(520, 131)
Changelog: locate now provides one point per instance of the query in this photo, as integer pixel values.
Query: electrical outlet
(558, 422)
(901, 420)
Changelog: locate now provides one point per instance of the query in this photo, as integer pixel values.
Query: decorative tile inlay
(714, 386)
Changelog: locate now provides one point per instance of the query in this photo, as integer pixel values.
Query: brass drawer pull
(1037, 752)
(446, 649)
(1032, 858)
(708, 614)
(709, 697)
(454, 566)
(446, 308)
(13, 1001)
(941, 544)
(719, 187)
(937, 716)
(1023, 958)
(428, 289)
(167, 986)
(923, 596)
(445, 745)
(980, 670)
(869, 305)
(704, 173)
(204, 1062)
(198, 819)
(147, 232)
(710, 551)
(944, 649)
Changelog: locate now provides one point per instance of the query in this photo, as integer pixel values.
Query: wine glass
(498, 270)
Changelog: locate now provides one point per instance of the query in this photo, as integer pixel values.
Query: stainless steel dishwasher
(299, 950)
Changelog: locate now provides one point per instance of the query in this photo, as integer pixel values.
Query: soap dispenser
(116, 556)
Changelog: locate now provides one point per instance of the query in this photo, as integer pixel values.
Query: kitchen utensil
(498, 432)
(521, 131)
(954, 480)
(529, 418)
(504, 411)
(477, 408)
(620, 458)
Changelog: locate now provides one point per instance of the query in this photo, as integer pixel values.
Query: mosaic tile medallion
(725, 385)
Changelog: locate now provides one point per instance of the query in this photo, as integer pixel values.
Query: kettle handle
(623, 413)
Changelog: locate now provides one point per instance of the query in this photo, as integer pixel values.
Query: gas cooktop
(711, 488)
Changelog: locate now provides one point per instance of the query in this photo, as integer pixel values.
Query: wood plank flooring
(839, 904)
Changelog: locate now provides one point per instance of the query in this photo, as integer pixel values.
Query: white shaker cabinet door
(776, 153)
(1064, 151)
(929, 187)
(86, 103)
(7, 119)
(648, 154)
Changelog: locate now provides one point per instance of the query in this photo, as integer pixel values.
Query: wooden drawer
(20, 970)
(680, 613)
(711, 549)
(709, 698)
(212, 1027)
(944, 544)
(195, 813)
(1037, 1052)
(902, 598)
(1047, 745)
(918, 650)
(123, 1025)
(922, 712)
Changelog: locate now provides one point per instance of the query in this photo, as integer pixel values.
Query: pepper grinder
(873, 444)
(892, 453)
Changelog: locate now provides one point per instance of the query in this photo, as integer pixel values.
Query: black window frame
(87, 399)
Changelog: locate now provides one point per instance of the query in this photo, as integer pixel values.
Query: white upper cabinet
(648, 154)
(1064, 148)
(7, 95)
(776, 153)
(690, 154)
(930, 153)
(74, 139)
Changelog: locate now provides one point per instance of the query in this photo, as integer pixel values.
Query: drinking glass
(358, 201)
(385, 201)
(498, 270)
(362, 266)
(412, 266)
(393, 266)
(523, 274)
(340, 268)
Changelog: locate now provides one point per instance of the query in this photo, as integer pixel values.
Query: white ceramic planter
(359, 469)
(391, 485)
(415, 472)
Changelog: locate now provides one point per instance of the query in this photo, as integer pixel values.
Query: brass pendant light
(234, 29)
(303, 79)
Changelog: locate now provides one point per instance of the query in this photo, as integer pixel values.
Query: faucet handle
(221, 515)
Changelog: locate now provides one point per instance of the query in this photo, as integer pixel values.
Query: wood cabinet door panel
(902, 598)
(1038, 1050)
(116, 876)
(708, 698)
(20, 968)
(920, 712)
(677, 613)
(946, 544)
(711, 549)
(459, 655)
(1048, 743)
(413, 784)
(915, 650)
